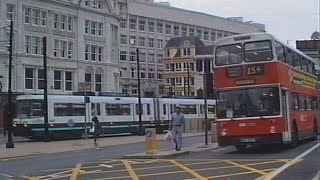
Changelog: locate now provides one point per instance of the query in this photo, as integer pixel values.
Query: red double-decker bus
(266, 92)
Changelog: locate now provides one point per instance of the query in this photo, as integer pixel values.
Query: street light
(132, 43)
(9, 143)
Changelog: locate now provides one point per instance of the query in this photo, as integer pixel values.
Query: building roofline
(192, 11)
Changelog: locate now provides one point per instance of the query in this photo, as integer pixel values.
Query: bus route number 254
(256, 69)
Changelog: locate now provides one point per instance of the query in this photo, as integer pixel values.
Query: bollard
(152, 145)
(214, 132)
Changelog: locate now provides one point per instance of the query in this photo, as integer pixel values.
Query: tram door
(95, 110)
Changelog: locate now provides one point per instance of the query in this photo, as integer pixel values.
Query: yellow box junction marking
(185, 168)
(130, 170)
(246, 167)
(75, 172)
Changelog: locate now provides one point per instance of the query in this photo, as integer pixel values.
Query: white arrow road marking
(105, 165)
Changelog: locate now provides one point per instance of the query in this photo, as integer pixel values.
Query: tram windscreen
(29, 109)
(251, 102)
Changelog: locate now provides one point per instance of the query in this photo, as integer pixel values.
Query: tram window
(302, 102)
(69, 109)
(295, 102)
(211, 109)
(148, 109)
(280, 52)
(188, 109)
(98, 109)
(164, 108)
(304, 64)
(289, 59)
(137, 109)
(117, 109)
(308, 104)
(296, 60)
(93, 109)
(258, 51)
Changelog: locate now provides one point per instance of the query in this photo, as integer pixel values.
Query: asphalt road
(220, 163)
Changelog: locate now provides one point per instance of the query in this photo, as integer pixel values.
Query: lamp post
(9, 143)
(45, 90)
(132, 42)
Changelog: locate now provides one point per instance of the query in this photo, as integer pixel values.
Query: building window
(151, 42)
(29, 78)
(206, 35)
(142, 41)
(40, 79)
(143, 75)
(160, 56)
(123, 39)
(93, 28)
(159, 27)
(123, 23)
(184, 31)
(123, 55)
(213, 36)
(133, 56)
(35, 16)
(199, 33)
(123, 72)
(62, 22)
(142, 57)
(10, 12)
(134, 90)
(142, 25)
(96, 4)
(168, 28)
(178, 66)
(57, 80)
(125, 89)
(191, 32)
(133, 40)
(27, 15)
(178, 81)
(68, 80)
(133, 72)
(98, 78)
(63, 49)
(160, 43)
(87, 78)
(151, 26)
(132, 24)
(70, 50)
(186, 51)
(93, 52)
(160, 76)
(176, 30)
(33, 45)
(151, 75)
(151, 58)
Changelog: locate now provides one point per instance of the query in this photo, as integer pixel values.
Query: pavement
(30, 148)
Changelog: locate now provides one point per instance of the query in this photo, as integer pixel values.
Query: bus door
(286, 115)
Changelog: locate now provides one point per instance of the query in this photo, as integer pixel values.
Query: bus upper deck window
(258, 51)
(296, 60)
(280, 52)
(229, 54)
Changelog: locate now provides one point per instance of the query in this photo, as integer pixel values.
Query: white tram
(68, 114)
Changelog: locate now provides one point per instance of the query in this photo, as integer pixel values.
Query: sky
(289, 20)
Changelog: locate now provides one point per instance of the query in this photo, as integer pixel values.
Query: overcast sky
(286, 19)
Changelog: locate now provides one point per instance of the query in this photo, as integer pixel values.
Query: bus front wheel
(241, 148)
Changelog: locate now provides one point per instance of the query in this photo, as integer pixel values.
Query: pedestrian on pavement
(175, 126)
(97, 131)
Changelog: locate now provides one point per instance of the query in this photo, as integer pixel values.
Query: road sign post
(85, 87)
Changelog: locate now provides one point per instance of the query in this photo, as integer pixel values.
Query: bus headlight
(272, 129)
(25, 124)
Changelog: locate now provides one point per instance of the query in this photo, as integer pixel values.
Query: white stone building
(82, 44)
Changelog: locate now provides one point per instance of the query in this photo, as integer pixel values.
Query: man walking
(177, 120)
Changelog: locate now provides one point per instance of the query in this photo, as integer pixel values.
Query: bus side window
(304, 64)
(308, 104)
(296, 60)
(280, 52)
(302, 102)
(314, 104)
(310, 69)
(295, 102)
(289, 57)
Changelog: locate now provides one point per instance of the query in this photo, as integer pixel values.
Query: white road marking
(7, 175)
(317, 177)
(285, 166)
(105, 165)
(221, 149)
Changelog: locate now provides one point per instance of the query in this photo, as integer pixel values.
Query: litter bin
(152, 145)
(214, 132)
